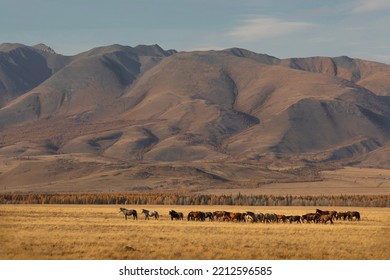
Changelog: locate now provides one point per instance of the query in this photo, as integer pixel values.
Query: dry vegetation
(100, 232)
(154, 198)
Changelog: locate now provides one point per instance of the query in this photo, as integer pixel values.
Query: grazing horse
(231, 216)
(342, 215)
(282, 218)
(353, 214)
(311, 217)
(209, 215)
(176, 215)
(250, 217)
(270, 217)
(325, 218)
(196, 216)
(128, 212)
(295, 219)
(219, 215)
(149, 214)
(260, 217)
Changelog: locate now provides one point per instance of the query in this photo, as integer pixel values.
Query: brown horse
(219, 215)
(325, 218)
(233, 216)
(311, 217)
(281, 218)
(332, 213)
(196, 216)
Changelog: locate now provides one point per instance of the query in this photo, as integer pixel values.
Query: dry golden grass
(100, 232)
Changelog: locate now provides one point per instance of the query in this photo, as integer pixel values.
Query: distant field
(85, 173)
(349, 180)
(101, 232)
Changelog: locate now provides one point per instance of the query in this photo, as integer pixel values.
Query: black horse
(128, 212)
(176, 215)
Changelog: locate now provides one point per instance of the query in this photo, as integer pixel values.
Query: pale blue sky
(282, 28)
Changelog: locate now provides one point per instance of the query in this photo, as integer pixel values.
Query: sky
(281, 28)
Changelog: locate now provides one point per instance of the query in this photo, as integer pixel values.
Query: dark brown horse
(296, 219)
(342, 215)
(353, 214)
(196, 216)
(311, 217)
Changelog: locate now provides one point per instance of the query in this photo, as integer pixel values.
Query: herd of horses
(320, 216)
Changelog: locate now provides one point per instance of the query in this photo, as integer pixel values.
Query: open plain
(85, 173)
(100, 232)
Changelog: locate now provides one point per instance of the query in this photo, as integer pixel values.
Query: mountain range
(147, 104)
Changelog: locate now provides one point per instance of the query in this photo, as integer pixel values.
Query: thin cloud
(265, 27)
(366, 6)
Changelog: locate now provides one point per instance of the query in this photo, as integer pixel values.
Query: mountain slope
(22, 68)
(144, 103)
(89, 81)
(373, 76)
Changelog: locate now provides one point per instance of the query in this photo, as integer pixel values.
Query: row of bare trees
(197, 199)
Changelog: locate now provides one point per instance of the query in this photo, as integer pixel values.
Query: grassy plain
(101, 232)
(66, 173)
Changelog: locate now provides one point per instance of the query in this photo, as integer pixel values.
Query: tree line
(197, 199)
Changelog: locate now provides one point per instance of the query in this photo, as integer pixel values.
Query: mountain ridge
(145, 103)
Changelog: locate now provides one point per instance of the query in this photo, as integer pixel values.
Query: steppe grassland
(101, 232)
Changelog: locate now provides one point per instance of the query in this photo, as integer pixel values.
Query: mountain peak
(44, 48)
(153, 50)
(263, 58)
